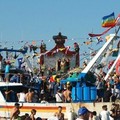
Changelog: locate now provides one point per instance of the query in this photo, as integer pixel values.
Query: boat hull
(48, 110)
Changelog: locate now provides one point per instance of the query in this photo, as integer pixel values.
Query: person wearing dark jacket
(107, 95)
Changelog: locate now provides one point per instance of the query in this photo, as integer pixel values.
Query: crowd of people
(83, 114)
(105, 114)
(47, 92)
(48, 89)
(41, 91)
(15, 114)
(109, 90)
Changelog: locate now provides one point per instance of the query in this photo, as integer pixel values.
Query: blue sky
(29, 20)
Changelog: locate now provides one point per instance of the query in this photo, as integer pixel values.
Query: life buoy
(118, 67)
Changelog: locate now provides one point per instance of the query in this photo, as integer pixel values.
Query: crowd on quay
(83, 114)
(105, 114)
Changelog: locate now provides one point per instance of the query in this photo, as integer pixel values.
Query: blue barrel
(86, 93)
(73, 94)
(79, 95)
(93, 93)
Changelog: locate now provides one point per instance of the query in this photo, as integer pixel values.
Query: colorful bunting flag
(118, 67)
(20, 62)
(109, 20)
(100, 39)
(88, 42)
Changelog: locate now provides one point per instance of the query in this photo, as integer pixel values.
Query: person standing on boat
(107, 95)
(1, 78)
(99, 85)
(7, 69)
(29, 96)
(67, 95)
(1, 57)
(21, 96)
(7, 94)
(15, 78)
(59, 96)
(15, 111)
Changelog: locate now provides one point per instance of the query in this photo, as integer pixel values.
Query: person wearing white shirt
(104, 115)
(59, 96)
(21, 96)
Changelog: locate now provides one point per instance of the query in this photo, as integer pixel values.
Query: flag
(100, 39)
(95, 35)
(20, 62)
(117, 21)
(33, 42)
(118, 67)
(88, 42)
(109, 20)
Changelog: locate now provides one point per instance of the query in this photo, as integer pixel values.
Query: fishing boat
(44, 111)
(69, 109)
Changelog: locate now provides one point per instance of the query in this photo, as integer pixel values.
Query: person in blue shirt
(15, 78)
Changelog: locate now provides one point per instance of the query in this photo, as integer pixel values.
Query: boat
(48, 109)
